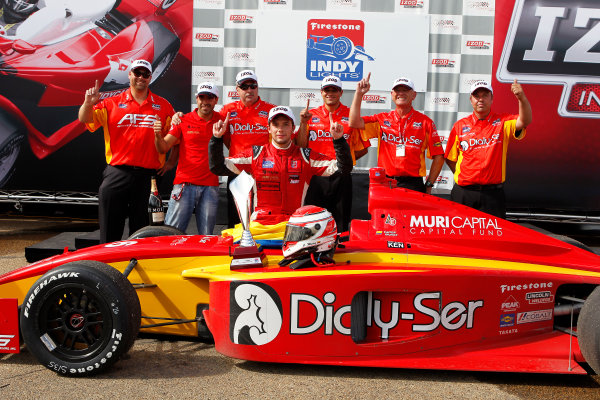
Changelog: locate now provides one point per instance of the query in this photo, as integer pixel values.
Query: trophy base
(248, 257)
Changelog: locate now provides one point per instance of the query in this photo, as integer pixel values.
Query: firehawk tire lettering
(73, 308)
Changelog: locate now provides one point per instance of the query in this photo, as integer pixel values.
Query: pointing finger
(368, 77)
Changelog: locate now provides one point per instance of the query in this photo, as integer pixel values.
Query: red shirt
(319, 134)
(129, 129)
(479, 148)
(418, 134)
(194, 133)
(248, 126)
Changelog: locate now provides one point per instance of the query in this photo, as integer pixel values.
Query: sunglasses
(245, 86)
(144, 73)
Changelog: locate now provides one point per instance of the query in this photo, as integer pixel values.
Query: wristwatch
(428, 184)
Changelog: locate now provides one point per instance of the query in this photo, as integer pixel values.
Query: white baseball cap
(207, 88)
(331, 80)
(481, 84)
(141, 64)
(404, 82)
(285, 110)
(245, 75)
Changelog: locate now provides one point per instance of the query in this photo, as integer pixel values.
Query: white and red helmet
(310, 229)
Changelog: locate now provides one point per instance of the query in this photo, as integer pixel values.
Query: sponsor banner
(534, 316)
(444, 135)
(275, 5)
(348, 46)
(229, 94)
(240, 19)
(466, 80)
(412, 6)
(211, 74)
(455, 225)
(209, 4)
(298, 98)
(444, 63)
(377, 100)
(207, 37)
(507, 319)
(441, 101)
(445, 180)
(477, 44)
(510, 304)
(485, 8)
(343, 5)
(239, 57)
(539, 297)
(445, 24)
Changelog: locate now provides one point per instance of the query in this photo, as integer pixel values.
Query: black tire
(588, 330)
(203, 332)
(80, 318)
(358, 317)
(166, 48)
(11, 138)
(155, 230)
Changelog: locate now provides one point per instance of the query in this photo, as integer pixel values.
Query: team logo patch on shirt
(496, 122)
(263, 114)
(233, 114)
(315, 120)
(345, 119)
(268, 164)
(417, 125)
(122, 105)
(156, 106)
(387, 123)
(293, 165)
(466, 129)
(294, 179)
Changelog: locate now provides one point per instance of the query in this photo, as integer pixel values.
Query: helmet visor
(295, 233)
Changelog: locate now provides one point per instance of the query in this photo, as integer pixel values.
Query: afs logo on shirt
(137, 120)
(333, 47)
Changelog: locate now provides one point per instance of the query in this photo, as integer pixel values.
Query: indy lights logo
(555, 42)
(335, 47)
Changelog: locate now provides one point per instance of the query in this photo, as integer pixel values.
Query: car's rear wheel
(166, 48)
(155, 230)
(588, 330)
(11, 138)
(80, 318)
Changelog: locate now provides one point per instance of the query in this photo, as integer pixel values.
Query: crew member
(247, 125)
(128, 122)
(195, 188)
(404, 135)
(281, 169)
(477, 147)
(334, 192)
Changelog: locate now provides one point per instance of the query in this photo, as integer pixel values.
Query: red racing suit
(281, 175)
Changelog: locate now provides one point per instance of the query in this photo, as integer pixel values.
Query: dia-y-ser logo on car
(335, 47)
(556, 42)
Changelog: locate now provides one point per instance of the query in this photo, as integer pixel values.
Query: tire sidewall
(101, 287)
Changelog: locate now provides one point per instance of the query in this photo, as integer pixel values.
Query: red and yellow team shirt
(479, 148)
(129, 129)
(319, 132)
(404, 142)
(194, 133)
(248, 126)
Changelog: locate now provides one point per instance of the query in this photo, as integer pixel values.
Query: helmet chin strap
(322, 261)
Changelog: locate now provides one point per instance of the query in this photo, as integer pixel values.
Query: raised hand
(92, 95)
(517, 90)
(305, 116)
(157, 126)
(336, 129)
(220, 127)
(364, 85)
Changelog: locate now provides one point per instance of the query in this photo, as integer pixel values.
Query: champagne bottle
(156, 210)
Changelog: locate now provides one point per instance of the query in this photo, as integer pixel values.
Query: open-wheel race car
(425, 283)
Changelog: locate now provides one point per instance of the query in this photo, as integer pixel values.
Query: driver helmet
(18, 10)
(309, 229)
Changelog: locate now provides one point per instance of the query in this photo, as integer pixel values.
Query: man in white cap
(247, 124)
(334, 192)
(281, 169)
(128, 121)
(195, 188)
(477, 147)
(405, 137)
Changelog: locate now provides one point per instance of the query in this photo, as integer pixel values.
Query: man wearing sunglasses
(128, 121)
(247, 125)
(195, 188)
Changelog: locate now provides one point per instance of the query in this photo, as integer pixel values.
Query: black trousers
(233, 217)
(333, 193)
(123, 194)
(487, 198)
(410, 182)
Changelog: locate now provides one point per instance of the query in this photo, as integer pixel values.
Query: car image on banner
(52, 51)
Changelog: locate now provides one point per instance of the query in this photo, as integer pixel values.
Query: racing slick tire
(11, 138)
(80, 318)
(155, 230)
(166, 48)
(588, 330)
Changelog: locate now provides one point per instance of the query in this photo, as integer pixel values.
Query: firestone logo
(335, 47)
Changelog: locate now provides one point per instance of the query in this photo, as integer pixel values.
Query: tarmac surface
(158, 367)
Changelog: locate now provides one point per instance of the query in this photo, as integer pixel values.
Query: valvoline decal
(335, 47)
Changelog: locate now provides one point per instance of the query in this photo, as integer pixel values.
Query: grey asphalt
(168, 368)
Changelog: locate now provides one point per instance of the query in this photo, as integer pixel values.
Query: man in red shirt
(334, 192)
(477, 147)
(247, 125)
(281, 170)
(128, 123)
(405, 137)
(195, 188)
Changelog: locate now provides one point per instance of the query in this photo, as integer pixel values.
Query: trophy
(247, 254)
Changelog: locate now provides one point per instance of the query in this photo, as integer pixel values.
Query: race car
(52, 51)
(336, 47)
(425, 283)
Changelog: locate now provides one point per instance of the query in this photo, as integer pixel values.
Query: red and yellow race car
(425, 283)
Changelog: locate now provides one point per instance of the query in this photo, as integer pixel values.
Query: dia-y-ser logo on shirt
(335, 47)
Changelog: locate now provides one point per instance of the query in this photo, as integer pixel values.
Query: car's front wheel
(588, 330)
